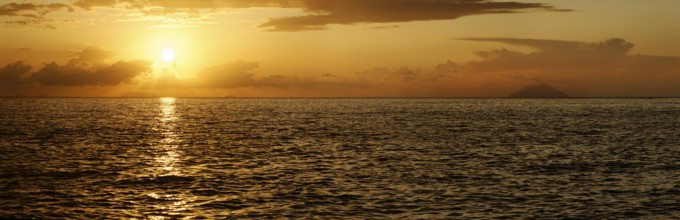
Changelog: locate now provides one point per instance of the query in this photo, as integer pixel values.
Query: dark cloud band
(88, 69)
(320, 13)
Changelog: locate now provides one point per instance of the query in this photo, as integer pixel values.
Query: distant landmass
(538, 90)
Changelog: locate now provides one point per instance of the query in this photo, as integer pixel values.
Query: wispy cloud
(30, 14)
(323, 12)
(241, 74)
(319, 13)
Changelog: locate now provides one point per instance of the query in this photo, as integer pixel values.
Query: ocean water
(339, 158)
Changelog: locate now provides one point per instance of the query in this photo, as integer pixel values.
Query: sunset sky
(333, 48)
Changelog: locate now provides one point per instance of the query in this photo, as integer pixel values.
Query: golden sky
(332, 48)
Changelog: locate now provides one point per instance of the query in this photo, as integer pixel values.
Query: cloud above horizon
(318, 13)
(89, 68)
(605, 68)
(241, 74)
(13, 73)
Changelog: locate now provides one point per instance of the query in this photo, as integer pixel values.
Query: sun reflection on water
(167, 157)
(167, 116)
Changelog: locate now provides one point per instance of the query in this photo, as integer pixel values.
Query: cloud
(13, 73)
(612, 46)
(186, 4)
(603, 68)
(75, 75)
(409, 75)
(229, 75)
(30, 14)
(240, 74)
(89, 68)
(558, 54)
(320, 13)
(30, 10)
(88, 4)
(323, 12)
(534, 43)
(92, 56)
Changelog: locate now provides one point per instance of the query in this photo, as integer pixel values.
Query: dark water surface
(340, 158)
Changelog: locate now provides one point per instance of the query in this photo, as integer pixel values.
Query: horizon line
(356, 97)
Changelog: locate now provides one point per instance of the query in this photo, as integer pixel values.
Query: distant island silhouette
(538, 90)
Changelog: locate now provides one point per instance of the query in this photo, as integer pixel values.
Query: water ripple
(339, 158)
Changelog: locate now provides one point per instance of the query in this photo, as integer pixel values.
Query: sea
(339, 158)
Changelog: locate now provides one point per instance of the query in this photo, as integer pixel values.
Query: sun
(168, 55)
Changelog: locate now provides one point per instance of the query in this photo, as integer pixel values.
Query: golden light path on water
(168, 156)
(165, 164)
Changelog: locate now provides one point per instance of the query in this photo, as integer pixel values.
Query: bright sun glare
(168, 55)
